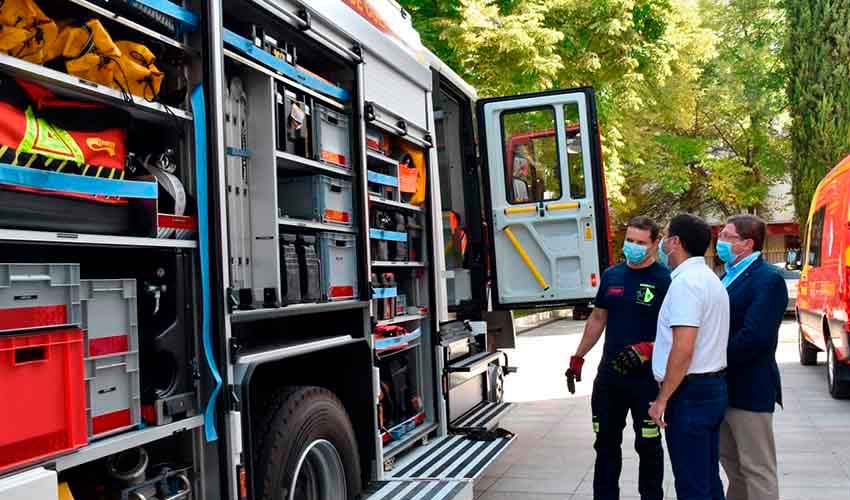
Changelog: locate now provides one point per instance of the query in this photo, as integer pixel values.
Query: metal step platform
(423, 489)
(485, 415)
(449, 458)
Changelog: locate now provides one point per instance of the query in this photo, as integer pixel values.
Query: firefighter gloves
(632, 358)
(574, 373)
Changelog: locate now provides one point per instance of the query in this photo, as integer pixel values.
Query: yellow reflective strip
(520, 210)
(99, 170)
(30, 161)
(62, 166)
(525, 258)
(86, 169)
(122, 175)
(596, 427)
(3, 151)
(15, 159)
(112, 173)
(48, 161)
(650, 433)
(562, 206)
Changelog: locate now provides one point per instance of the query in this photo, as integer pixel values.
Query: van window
(815, 252)
(575, 156)
(532, 168)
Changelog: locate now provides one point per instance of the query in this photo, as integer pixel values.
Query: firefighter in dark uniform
(626, 308)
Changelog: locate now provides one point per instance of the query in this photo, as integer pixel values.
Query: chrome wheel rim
(319, 474)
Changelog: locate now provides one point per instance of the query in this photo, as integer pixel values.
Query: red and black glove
(574, 373)
(632, 358)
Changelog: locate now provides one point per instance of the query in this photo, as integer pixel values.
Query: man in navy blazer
(757, 297)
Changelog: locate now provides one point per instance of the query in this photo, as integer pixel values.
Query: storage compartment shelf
(318, 226)
(382, 179)
(402, 319)
(295, 309)
(26, 236)
(394, 204)
(402, 343)
(106, 13)
(293, 162)
(381, 157)
(398, 132)
(115, 444)
(233, 56)
(393, 448)
(83, 89)
(246, 47)
(390, 263)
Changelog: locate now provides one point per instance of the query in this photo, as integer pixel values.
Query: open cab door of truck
(545, 198)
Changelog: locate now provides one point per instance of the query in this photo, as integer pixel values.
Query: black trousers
(614, 397)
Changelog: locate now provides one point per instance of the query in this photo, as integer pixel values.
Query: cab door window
(575, 155)
(532, 166)
(815, 256)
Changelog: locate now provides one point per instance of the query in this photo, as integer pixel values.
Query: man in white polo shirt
(689, 361)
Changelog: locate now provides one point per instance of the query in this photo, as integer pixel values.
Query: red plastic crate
(43, 394)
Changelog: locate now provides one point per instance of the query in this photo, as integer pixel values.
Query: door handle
(526, 259)
(574, 205)
(520, 210)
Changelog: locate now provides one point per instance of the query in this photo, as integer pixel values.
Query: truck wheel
(839, 386)
(306, 449)
(808, 352)
(581, 313)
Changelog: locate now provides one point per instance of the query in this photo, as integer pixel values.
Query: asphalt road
(553, 455)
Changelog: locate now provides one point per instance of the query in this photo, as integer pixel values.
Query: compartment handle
(27, 355)
(336, 188)
(108, 390)
(29, 277)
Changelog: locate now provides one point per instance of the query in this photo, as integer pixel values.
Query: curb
(536, 320)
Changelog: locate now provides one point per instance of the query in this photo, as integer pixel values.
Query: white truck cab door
(545, 191)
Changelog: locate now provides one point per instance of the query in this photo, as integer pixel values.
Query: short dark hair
(693, 232)
(750, 227)
(647, 224)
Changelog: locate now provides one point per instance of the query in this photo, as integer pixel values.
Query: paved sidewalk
(553, 455)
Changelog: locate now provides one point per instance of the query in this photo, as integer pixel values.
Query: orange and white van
(823, 298)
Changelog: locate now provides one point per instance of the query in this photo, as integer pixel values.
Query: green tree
(817, 54)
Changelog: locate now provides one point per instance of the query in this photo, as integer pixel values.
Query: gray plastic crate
(331, 136)
(113, 396)
(338, 254)
(110, 316)
(38, 295)
(316, 197)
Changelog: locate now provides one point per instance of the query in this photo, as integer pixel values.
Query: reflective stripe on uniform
(650, 430)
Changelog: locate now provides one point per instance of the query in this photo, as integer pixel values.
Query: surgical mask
(663, 258)
(724, 251)
(635, 254)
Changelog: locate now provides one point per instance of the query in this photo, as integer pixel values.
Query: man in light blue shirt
(758, 297)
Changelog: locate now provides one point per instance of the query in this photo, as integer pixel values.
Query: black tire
(837, 376)
(581, 313)
(808, 352)
(299, 419)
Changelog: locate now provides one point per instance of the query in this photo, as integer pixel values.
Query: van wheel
(839, 385)
(808, 352)
(306, 449)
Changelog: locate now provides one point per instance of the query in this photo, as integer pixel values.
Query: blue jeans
(693, 417)
(612, 400)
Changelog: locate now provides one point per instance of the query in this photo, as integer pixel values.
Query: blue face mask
(635, 254)
(663, 258)
(724, 251)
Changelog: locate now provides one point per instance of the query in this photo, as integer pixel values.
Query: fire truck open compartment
(109, 187)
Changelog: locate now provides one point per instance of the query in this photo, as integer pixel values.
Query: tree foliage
(817, 52)
(690, 92)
